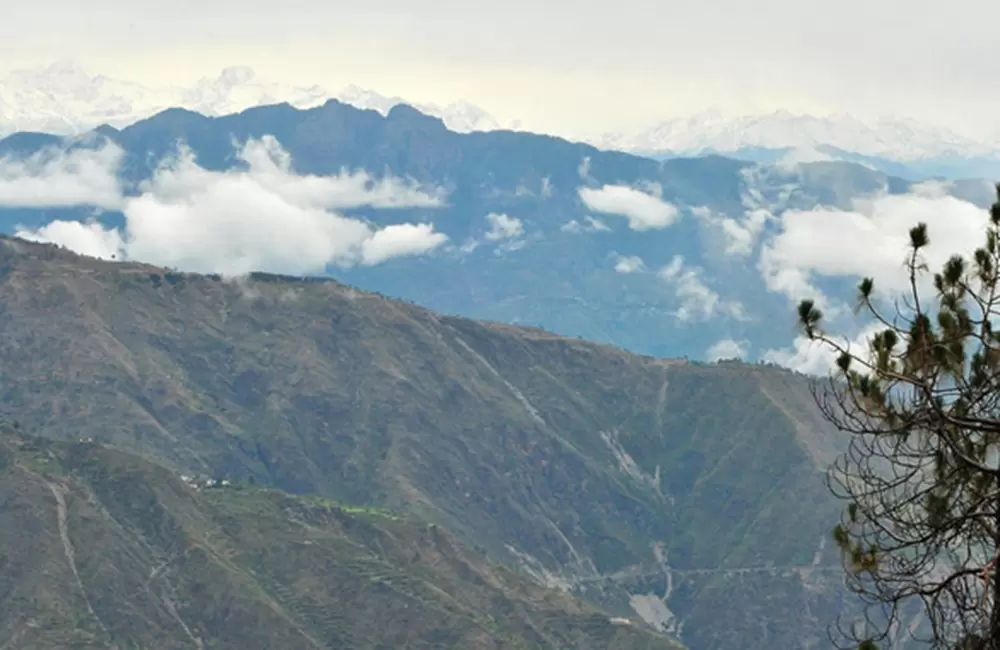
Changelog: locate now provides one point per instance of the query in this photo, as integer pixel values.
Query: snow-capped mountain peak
(66, 99)
(459, 116)
(237, 88)
(890, 137)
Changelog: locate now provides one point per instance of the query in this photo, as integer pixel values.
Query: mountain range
(67, 99)
(64, 98)
(696, 257)
(888, 137)
(304, 434)
(264, 338)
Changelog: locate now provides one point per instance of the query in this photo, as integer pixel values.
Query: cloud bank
(53, 178)
(261, 218)
(871, 240)
(90, 238)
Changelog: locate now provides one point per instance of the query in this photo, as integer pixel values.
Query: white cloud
(270, 169)
(740, 235)
(469, 245)
(799, 155)
(743, 234)
(91, 239)
(510, 246)
(263, 218)
(506, 231)
(818, 358)
(769, 187)
(545, 190)
(870, 240)
(400, 240)
(936, 188)
(591, 225)
(652, 187)
(53, 178)
(728, 349)
(503, 226)
(698, 301)
(643, 211)
(630, 264)
(583, 170)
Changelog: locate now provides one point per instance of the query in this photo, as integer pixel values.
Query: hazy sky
(558, 65)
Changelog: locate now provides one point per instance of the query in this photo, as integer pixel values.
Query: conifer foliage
(920, 533)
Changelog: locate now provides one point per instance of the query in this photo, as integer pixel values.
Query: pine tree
(921, 475)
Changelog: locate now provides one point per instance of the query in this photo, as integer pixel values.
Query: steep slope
(100, 549)
(653, 487)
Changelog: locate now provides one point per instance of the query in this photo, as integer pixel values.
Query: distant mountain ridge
(900, 139)
(679, 257)
(64, 98)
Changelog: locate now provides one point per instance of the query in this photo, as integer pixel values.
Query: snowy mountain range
(67, 99)
(64, 98)
(889, 137)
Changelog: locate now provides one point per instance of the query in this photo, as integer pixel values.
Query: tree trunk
(994, 603)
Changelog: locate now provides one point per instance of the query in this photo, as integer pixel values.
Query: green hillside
(101, 549)
(687, 495)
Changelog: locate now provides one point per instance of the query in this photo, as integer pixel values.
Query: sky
(559, 66)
